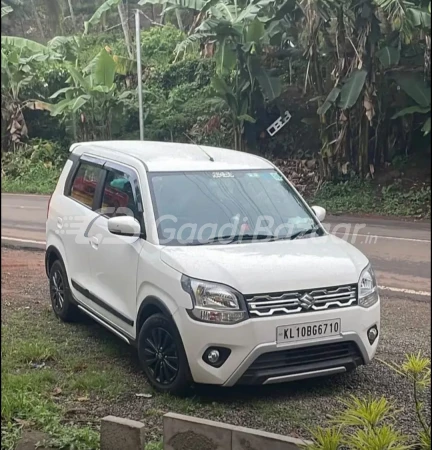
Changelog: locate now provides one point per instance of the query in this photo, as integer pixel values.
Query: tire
(167, 370)
(61, 296)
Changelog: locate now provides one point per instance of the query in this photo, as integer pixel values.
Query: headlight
(367, 288)
(214, 302)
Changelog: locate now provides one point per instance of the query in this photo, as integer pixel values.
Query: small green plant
(154, 446)
(416, 369)
(371, 423)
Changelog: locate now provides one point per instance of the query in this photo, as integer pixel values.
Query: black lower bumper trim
(302, 360)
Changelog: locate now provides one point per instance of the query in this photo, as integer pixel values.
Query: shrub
(158, 45)
(369, 423)
(34, 169)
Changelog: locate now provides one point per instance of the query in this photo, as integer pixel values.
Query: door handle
(94, 242)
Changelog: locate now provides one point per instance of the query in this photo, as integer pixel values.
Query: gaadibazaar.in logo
(82, 227)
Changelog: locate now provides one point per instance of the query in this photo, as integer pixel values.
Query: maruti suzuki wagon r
(210, 263)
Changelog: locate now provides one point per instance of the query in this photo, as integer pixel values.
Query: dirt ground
(22, 272)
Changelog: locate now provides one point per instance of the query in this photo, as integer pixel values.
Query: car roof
(171, 156)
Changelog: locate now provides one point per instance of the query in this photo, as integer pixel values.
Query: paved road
(399, 250)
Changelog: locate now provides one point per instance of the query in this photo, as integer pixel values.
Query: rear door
(72, 216)
(114, 259)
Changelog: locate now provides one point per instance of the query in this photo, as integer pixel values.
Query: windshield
(198, 208)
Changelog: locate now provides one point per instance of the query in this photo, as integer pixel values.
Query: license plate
(310, 330)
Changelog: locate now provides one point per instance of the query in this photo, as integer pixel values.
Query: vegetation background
(354, 75)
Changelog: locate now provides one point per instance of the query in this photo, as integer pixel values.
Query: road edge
(22, 244)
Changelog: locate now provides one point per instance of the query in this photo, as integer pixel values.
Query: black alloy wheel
(57, 290)
(61, 297)
(162, 355)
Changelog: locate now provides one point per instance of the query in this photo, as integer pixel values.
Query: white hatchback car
(210, 262)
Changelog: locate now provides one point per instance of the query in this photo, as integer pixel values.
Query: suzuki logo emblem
(307, 301)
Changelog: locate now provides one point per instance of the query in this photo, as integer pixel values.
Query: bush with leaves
(371, 423)
(158, 45)
(33, 169)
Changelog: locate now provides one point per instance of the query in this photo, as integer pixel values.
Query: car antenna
(199, 146)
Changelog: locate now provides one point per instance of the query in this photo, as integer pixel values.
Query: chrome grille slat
(344, 294)
(265, 305)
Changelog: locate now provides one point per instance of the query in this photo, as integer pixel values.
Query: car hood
(277, 266)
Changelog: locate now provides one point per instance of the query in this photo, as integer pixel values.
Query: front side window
(84, 184)
(194, 208)
(121, 195)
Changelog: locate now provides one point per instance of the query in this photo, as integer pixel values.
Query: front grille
(264, 305)
(301, 360)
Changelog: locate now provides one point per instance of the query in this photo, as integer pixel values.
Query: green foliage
(5, 10)
(38, 179)
(352, 88)
(100, 14)
(361, 196)
(154, 446)
(372, 423)
(33, 169)
(417, 370)
(362, 74)
(158, 45)
(92, 99)
(241, 84)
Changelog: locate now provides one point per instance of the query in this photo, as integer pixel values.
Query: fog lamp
(372, 334)
(213, 356)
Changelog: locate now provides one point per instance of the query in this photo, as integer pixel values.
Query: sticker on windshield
(253, 175)
(276, 176)
(222, 175)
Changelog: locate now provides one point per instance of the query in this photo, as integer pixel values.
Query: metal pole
(139, 73)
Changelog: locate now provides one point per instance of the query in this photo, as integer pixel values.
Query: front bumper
(251, 339)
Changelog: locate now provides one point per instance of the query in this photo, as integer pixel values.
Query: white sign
(278, 124)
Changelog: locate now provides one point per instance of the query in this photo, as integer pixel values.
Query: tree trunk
(72, 14)
(37, 19)
(125, 26)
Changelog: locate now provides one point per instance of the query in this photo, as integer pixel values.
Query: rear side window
(84, 183)
(121, 195)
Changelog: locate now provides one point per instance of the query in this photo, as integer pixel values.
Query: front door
(114, 259)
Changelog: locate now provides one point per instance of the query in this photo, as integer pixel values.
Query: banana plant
(237, 32)
(5, 10)
(418, 91)
(92, 96)
(18, 59)
(100, 16)
(238, 105)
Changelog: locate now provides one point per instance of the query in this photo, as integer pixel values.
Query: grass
(358, 196)
(51, 368)
(44, 369)
(38, 179)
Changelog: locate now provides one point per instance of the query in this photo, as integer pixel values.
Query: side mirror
(319, 212)
(124, 226)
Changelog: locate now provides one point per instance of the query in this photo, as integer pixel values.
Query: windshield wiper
(302, 233)
(237, 238)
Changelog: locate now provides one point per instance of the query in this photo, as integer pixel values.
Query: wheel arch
(151, 305)
(52, 254)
